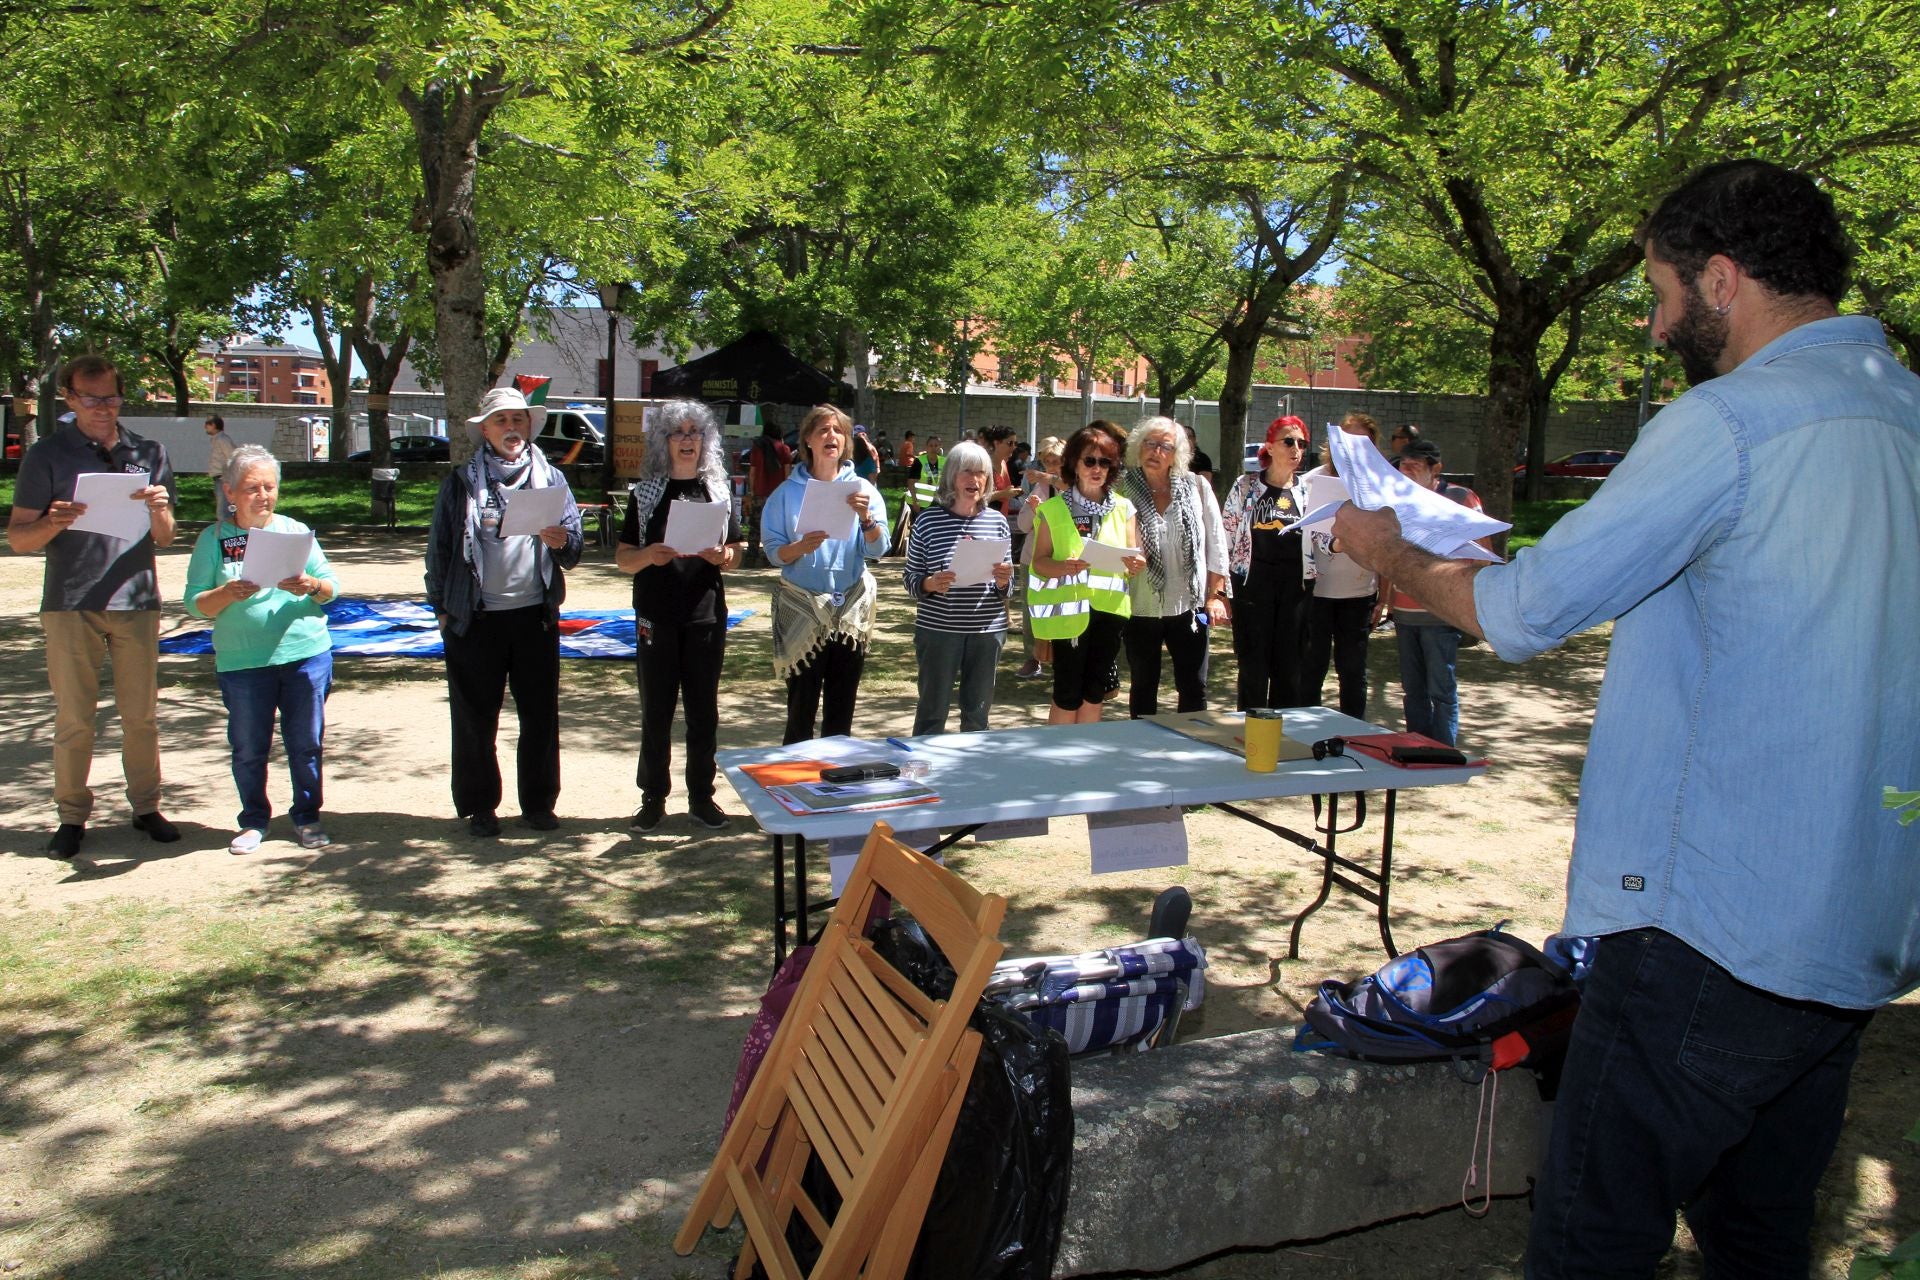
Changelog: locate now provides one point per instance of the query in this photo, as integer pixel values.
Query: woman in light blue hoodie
(823, 607)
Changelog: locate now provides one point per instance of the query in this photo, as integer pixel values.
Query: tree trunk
(1515, 388)
(339, 369)
(1236, 394)
(1086, 391)
(860, 348)
(175, 361)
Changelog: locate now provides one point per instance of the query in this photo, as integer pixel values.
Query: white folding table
(1006, 775)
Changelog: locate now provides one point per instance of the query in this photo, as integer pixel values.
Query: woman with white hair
(1182, 594)
(497, 600)
(271, 651)
(679, 607)
(958, 631)
(823, 606)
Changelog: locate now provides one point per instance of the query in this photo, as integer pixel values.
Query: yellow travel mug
(1263, 739)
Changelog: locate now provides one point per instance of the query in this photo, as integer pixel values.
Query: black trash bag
(998, 1206)
(902, 943)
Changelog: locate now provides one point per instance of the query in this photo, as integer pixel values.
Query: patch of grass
(318, 501)
(1531, 520)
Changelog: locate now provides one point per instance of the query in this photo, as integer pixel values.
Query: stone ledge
(1240, 1141)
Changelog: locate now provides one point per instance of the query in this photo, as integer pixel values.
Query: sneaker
(707, 813)
(649, 815)
(483, 824)
(310, 836)
(65, 841)
(1031, 671)
(541, 821)
(156, 826)
(247, 841)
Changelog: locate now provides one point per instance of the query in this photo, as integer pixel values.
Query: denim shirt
(837, 563)
(1760, 550)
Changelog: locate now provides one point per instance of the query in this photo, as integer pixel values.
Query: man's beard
(1698, 337)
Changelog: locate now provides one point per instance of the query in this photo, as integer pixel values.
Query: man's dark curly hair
(1774, 222)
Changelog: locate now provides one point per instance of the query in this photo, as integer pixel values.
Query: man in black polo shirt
(100, 598)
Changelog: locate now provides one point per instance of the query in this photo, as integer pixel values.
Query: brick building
(269, 373)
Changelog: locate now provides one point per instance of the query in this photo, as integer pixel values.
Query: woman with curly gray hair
(679, 607)
(1182, 595)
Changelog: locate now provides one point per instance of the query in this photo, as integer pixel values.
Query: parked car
(1588, 462)
(1251, 460)
(575, 433)
(411, 449)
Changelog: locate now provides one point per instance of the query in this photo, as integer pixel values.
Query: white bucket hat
(503, 398)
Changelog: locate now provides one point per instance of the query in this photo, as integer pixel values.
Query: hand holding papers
(974, 558)
(693, 527)
(111, 504)
(274, 557)
(531, 510)
(824, 509)
(1431, 521)
(1105, 558)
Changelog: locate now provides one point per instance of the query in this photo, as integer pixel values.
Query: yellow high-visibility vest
(1059, 606)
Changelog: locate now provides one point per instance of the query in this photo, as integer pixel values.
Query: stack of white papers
(1431, 521)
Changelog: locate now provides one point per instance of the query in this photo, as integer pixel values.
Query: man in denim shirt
(1760, 550)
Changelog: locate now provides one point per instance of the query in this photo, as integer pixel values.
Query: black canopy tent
(754, 369)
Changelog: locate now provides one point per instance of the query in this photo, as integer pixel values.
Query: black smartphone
(868, 772)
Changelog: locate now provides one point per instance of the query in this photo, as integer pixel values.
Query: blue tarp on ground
(405, 629)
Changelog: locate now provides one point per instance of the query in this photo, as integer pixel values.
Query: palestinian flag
(533, 386)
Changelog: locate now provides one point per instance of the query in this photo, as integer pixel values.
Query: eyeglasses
(1156, 446)
(691, 433)
(1291, 442)
(98, 402)
(1098, 460)
(1329, 747)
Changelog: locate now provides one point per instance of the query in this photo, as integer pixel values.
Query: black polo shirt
(91, 571)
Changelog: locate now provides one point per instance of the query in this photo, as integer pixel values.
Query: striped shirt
(969, 610)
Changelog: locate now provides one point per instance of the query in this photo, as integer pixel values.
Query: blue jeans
(298, 691)
(1685, 1087)
(1429, 692)
(971, 658)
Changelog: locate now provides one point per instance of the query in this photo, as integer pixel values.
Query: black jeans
(1337, 632)
(1686, 1087)
(1185, 642)
(1270, 637)
(518, 649)
(675, 661)
(833, 672)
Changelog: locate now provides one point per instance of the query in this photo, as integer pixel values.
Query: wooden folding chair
(866, 1073)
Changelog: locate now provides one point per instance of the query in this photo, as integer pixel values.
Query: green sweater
(270, 626)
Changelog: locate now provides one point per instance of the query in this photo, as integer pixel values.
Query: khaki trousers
(78, 643)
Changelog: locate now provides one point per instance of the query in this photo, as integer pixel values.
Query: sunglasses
(1291, 442)
(1329, 747)
(1098, 460)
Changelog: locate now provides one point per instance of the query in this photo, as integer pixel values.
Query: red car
(1596, 463)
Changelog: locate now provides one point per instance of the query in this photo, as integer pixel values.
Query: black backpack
(1487, 998)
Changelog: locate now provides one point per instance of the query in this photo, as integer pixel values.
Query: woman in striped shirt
(958, 631)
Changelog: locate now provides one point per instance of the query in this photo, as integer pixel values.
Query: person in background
(1403, 436)
(679, 608)
(1004, 490)
(908, 453)
(99, 599)
(923, 487)
(497, 600)
(768, 460)
(271, 650)
(866, 458)
(1200, 465)
(958, 630)
(1184, 590)
(1340, 617)
(1083, 612)
(1040, 482)
(823, 607)
(1429, 646)
(1272, 571)
(220, 447)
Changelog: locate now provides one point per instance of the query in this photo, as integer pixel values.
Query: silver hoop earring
(1723, 309)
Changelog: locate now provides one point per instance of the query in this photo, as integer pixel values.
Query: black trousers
(833, 672)
(1185, 642)
(672, 662)
(518, 649)
(1270, 637)
(1337, 632)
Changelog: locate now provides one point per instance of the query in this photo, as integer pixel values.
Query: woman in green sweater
(270, 646)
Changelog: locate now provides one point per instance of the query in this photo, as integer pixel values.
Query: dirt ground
(419, 1054)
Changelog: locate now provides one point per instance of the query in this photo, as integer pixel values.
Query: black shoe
(156, 826)
(65, 842)
(707, 813)
(649, 815)
(483, 824)
(541, 821)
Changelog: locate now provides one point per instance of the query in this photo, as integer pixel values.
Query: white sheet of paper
(1431, 521)
(974, 558)
(1137, 840)
(531, 510)
(111, 510)
(692, 527)
(1017, 829)
(1105, 557)
(823, 507)
(272, 555)
(1325, 489)
(1317, 519)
